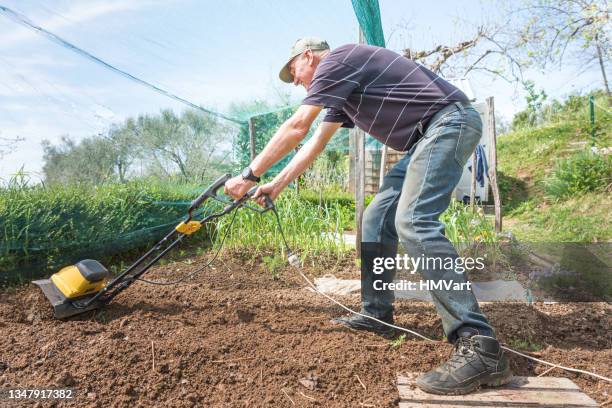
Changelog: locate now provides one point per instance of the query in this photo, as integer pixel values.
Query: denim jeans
(407, 208)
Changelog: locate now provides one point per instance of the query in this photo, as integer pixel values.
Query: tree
(189, 143)
(492, 49)
(8, 145)
(580, 27)
(91, 160)
(535, 33)
(123, 141)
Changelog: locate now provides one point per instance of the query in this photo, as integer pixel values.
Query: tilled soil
(234, 336)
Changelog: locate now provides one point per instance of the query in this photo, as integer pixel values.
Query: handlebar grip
(268, 201)
(210, 191)
(251, 192)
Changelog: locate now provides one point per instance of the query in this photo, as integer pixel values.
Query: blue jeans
(407, 208)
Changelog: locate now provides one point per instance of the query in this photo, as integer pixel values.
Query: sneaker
(475, 361)
(357, 322)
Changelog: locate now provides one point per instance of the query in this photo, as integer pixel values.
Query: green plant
(580, 173)
(523, 344)
(397, 342)
(462, 225)
(44, 228)
(274, 264)
(309, 228)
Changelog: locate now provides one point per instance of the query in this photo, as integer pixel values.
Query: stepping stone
(348, 238)
(520, 392)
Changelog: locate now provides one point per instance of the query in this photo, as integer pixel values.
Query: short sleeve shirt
(387, 95)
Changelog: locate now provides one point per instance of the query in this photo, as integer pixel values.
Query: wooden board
(522, 392)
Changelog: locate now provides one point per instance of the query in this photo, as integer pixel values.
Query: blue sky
(210, 52)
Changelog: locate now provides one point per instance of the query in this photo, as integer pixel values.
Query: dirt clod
(66, 379)
(310, 382)
(245, 316)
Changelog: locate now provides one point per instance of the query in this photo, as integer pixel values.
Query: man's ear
(310, 55)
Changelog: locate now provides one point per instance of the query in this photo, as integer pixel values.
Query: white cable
(361, 314)
(575, 370)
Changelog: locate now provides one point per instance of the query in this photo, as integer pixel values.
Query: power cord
(295, 262)
(189, 275)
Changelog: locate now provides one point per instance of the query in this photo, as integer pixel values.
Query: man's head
(305, 56)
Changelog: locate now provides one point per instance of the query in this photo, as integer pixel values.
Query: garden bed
(235, 336)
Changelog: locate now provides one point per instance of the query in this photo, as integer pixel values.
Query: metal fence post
(592, 115)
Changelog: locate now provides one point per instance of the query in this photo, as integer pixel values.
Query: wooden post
(493, 162)
(359, 136)
(473, 183)
(252, 138)
(297, 180)
(383, 164)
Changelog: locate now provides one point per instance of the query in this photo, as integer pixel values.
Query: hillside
(528, 163)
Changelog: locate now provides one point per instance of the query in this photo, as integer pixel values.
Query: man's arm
(300, 162)
(286, 138)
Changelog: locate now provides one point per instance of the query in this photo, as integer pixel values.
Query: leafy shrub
(580, 173)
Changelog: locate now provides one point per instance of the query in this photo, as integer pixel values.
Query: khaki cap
(301, 45)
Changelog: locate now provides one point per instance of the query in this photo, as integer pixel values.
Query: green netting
(45, 229)
(368, 15)
(264, 126)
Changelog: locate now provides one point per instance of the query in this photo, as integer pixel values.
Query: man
(408, 108)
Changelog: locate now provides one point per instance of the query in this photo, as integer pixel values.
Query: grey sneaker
(357, 322)
(475, 361)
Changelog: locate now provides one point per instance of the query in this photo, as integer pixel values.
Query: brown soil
(234, 336)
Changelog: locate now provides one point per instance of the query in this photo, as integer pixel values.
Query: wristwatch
(247, 174)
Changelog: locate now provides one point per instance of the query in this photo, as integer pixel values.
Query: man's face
(302, 68)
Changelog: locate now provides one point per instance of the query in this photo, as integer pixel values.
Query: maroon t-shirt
(387, 95)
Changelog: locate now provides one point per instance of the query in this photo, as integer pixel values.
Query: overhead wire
(24, 21)
(49, 98)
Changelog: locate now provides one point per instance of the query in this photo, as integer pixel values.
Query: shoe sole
(492, 380)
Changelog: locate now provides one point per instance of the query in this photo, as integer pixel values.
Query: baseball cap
(301, 45)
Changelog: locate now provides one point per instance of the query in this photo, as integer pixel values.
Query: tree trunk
(603, 68)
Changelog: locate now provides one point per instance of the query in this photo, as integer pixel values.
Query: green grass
(527, 154)
(583, 172)
(552, 188)
(46, 228)
(585, 218)
(525, 345)
(462, 225)
(309, 229)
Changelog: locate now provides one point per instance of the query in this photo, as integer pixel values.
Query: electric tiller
(87, 285)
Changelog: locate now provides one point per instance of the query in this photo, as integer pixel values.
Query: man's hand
(271, 189)
(236, 187)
